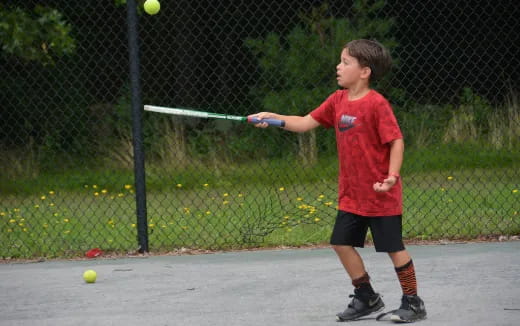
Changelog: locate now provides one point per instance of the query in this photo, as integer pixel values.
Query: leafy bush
(37, 36)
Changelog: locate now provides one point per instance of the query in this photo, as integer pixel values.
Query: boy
(370, 151)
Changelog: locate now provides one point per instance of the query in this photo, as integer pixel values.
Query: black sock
(363, 284)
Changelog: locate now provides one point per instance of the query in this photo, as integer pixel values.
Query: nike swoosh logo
(372, 303)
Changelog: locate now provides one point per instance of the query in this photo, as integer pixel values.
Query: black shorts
(351, 230)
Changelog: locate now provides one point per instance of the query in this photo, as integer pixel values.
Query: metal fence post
(139, 171)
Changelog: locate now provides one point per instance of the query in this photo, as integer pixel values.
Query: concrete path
(461, 284)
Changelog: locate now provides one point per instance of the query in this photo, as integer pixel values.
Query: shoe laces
(355, 297)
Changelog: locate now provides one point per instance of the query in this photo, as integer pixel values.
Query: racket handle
(270, 122)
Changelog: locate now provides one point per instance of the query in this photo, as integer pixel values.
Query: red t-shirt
(364, 129)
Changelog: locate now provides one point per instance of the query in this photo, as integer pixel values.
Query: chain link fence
(66, 154)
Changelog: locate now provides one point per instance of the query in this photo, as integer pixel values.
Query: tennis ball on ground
(90, 276)
(152, 7)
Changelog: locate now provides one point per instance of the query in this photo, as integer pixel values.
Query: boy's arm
(292, 122)
(396, 161)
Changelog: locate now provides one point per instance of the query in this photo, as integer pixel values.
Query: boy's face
(348, 71)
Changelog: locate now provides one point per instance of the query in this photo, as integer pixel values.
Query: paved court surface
(462, 284)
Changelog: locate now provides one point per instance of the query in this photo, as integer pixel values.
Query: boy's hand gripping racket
(209, 115)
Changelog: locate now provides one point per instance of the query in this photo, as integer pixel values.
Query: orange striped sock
(406, 275)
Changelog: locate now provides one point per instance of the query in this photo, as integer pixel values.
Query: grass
(241, 207)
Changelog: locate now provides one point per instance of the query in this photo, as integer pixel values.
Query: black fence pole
(137, 131)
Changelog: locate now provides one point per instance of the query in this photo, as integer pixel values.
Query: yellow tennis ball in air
(152, 7)
(90, 276)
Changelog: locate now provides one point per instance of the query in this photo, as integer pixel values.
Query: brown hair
(371, 54)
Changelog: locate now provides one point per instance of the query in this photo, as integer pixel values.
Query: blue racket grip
(270, 122)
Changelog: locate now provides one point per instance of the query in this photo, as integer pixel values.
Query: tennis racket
(209, 115)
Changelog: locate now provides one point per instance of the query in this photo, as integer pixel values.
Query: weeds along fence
(66, 147)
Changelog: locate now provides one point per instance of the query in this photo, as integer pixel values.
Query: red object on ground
(93, 253)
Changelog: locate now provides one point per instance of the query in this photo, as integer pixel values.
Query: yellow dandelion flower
(134, 225)
(205, 185)
(443, 189)
(85, 186)
(240, 195)
(16, 210)
(104, 191)
(51, 204)
(208, 212)
(9, 230)
(66, 220)
(36, 206)
(24, 229)
(96, 194)
(120, 195)
(21, 224)
(321, 196)
(12, 221)
(43, 197)
(2, 214)
(151, 225)
(317, 219)
(128, 187)
(286, 217)
(329, 203)
(299, 199)
(281, 189)
(179, 185)
(515, 191)
(226, 194)
(51, 192)
(225, 202)
(94, 186)
(450, 178)
(56, 214)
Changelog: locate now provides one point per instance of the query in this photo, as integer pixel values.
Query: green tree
(36, 36)
(296, 71)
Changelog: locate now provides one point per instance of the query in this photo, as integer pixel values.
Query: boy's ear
(366, 72)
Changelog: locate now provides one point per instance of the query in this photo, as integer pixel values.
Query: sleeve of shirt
(325, 113)
(387, 125)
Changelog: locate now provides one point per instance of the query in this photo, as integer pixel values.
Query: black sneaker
(411, 309)
(361, 305)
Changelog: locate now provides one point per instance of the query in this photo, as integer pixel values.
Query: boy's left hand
(386, 185)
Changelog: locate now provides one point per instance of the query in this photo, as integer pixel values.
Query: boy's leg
(353, 264)
(364, 301)
(387, 232)
(351, 261)
(412, 307)
(405, 270)
(349, 232)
